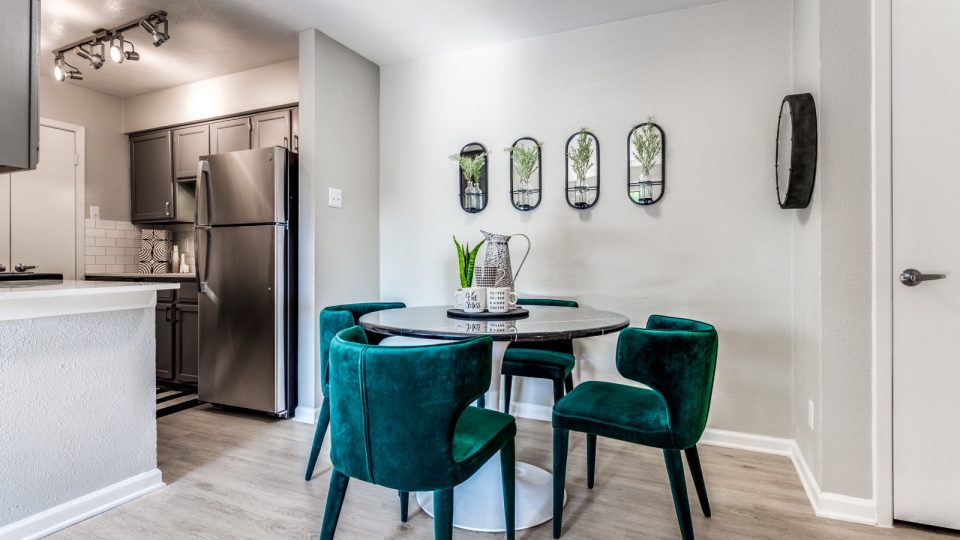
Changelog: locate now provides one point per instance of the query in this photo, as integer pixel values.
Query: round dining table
(478, 502)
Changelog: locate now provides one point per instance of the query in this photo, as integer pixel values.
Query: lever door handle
(911, 277)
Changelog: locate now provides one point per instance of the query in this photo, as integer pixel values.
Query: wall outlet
(94, 212)
(810, 414)
(335, 198)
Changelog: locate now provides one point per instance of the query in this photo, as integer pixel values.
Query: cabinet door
(295, 129)
(188, 145)
(20, 43)
(230, 135)
(151, 173)
(188, 343)
(164, 323)
(271, 129)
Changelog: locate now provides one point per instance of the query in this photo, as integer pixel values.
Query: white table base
(478, 502)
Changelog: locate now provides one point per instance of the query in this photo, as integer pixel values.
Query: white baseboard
(306, 415)
(825, 504)
(71, 512)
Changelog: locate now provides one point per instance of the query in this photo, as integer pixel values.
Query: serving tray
(516, 313)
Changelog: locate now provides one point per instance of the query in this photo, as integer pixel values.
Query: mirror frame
(539, 187)
(662, 183)
(485, 196)
(566, 174)
(803, 152)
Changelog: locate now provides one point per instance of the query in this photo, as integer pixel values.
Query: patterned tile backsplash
(114, 246)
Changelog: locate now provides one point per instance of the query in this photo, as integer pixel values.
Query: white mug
(472, 299)
(501, 299)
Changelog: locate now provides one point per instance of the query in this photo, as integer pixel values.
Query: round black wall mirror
(796, 165)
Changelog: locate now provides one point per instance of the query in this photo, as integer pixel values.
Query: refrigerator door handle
(203, 189)
(202, 265)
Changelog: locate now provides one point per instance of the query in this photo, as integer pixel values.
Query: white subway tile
(106, 224)
(106, 259)
(114, 251)
(111, 242)
(125, 259)
(126, 226)
(126, 242)
(87, 222)
(89, 259)
(89, 241)
(114, 268)
(115, 234)
(95, 233)
(99, 250)
(94, 268)
(133, 251)
(132, 268)
(133, 234)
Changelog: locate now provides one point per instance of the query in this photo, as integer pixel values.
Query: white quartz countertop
(27, 300)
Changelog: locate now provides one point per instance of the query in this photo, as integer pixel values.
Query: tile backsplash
(113, 246)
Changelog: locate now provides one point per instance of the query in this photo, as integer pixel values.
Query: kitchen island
(77, 401)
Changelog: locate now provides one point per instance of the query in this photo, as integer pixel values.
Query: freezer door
(242, 355)
(244, 187)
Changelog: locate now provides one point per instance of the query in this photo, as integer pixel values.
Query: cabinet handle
(166, 312)
(167, 206)
(296, 143)
(176, 316)
(286, 143)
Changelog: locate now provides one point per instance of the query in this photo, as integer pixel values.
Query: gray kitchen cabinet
(19, 84)
(165, 332)
(189, 144)
(151, 174)
(295, 129)
(271, 129)
(187, 343)
(230, 135)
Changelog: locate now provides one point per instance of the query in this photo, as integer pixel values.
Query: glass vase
(523, 194)
(581, 192)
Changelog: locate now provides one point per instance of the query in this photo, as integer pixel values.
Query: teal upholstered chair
(676, 359)
(551, 360)
(333, 319)
(400, 418)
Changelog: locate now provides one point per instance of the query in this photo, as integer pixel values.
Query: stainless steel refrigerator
(246, 266)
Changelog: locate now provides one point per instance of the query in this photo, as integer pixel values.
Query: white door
(43, 207)
(926, 237)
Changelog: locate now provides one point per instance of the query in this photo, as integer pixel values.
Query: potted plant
(472, 167)
(646, 144)
(581, 159)
(526, 160)
(469, 298)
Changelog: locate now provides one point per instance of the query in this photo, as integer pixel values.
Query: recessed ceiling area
(215, 37)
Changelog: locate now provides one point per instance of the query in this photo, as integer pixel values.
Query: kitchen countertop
(133, 276)
(32, 299)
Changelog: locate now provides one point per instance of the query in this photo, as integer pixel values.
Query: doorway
(41, 211)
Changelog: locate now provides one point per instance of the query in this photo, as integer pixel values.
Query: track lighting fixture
(92, 48)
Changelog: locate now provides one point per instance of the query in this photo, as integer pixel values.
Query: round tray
(516, 313)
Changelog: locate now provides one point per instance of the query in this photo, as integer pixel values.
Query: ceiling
(216, 37)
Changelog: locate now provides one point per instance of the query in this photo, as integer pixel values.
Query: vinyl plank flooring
(241, 477)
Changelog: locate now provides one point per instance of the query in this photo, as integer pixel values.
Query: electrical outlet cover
(335, 198)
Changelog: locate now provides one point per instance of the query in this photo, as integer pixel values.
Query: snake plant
(466, 259)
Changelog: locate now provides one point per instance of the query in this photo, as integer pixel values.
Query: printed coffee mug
(500, 299)
(472, 299)
(487, 276)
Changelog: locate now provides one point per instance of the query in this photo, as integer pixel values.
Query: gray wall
(107, 156)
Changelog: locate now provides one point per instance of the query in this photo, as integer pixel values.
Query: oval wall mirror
(526, 175)
(583, 170)
(646, 172)
(473, 177)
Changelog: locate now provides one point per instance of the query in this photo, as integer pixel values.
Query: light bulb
(116, 51)
(58, 69)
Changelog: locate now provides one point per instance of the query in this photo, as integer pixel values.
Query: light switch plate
(94, 212)
(335, 198)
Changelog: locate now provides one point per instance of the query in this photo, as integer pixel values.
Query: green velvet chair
(400, 418)
(333, 319)
(676, 360)
(551, 360)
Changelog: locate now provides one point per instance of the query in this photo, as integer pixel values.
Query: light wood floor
(241, 477)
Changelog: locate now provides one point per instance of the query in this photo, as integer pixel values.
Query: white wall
(258, 88)
(107, 168)
(339, 147)
(717, 247)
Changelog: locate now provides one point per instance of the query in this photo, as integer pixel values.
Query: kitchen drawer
(187, 293)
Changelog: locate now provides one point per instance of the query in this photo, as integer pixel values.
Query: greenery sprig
(581, 155)
(526, 159)
(466, 260)
(472, 166)
(646, 145)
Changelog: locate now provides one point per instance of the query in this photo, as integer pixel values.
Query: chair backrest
(560, 345)
(333, 319)
(678, 358)
(394, 410)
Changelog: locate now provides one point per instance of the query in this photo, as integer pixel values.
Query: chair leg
(507, 389)
(557, 391)
(482, 402)
(331, 514)
(568, 382)
(508, 468)
(679, 488)
(443, 514)
(404, 504)
(561, 438)
(693, 460)
(322, 423)
(591, 459)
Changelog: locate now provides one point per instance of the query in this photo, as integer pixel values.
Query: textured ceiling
(216, 37)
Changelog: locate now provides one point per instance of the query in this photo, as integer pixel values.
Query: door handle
(911, 277)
